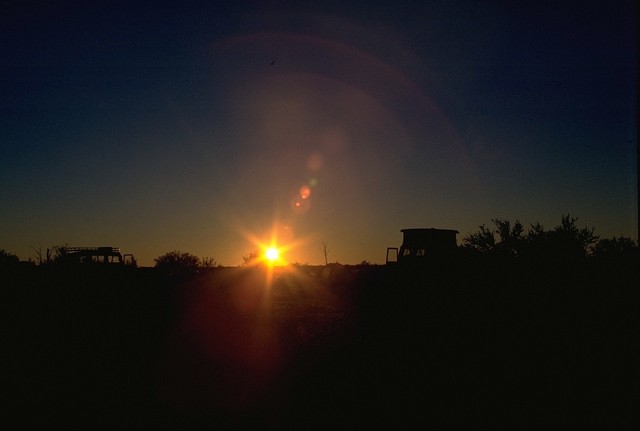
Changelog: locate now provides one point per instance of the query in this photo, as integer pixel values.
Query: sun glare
(273, 248)
(272, 254)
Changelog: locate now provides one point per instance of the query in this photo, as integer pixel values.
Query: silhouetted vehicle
(424, 245)
(104, 255)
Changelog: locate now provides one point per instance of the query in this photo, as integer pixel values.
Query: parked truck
(424, 245)
(102, 255)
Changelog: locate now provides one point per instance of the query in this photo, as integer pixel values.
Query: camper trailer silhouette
(424, 245)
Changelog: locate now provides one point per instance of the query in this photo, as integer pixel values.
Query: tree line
(565, 242)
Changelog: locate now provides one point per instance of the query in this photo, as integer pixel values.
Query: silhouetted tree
(536, 233)
(38, 251)
(568, 242)
(325, 252)
(51, 254)
(250, 258)
(57, 253)
(8, 259)
(207, 262)
(536, 242)
(176, 263)
(512, 238)
(565, 242)
(615, 248)
(483, 241)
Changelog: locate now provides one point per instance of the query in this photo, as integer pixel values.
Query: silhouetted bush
(176, 263)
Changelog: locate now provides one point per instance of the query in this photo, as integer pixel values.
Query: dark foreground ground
(448, 348)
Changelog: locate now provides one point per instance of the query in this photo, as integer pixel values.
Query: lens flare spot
(300, 206)
(305, 192)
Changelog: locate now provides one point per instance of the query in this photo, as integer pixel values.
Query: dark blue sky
(193, 126)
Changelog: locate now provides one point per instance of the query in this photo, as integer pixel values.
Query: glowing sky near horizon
(195, 128)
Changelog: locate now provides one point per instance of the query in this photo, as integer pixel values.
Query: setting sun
(272, 254)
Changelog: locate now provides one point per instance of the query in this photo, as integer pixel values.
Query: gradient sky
(197, 127)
